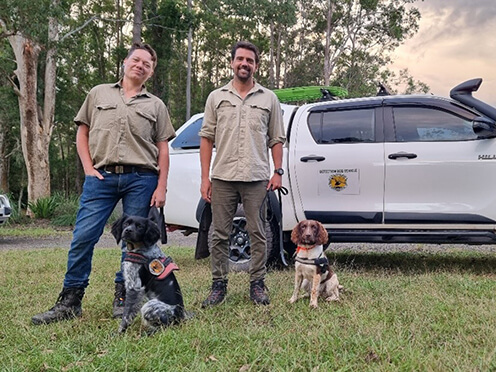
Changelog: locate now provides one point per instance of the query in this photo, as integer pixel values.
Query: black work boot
(119, 298)
(217, 294)
(258, 292)
(68, 306)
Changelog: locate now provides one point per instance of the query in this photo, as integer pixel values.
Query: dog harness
(322, 263)
(160, 268)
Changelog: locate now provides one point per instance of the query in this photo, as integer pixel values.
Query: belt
(119, 169)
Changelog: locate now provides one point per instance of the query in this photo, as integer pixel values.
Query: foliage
(94, 36)
(66, 211)
(399, 312)
(44, 207)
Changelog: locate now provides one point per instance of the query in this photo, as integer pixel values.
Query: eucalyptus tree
(50, 36)
(362, 34)
(29, 31)
(9, 119)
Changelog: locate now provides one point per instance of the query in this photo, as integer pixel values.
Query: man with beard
(243, 120)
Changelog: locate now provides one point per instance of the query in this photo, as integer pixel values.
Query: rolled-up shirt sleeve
(85, 112)
(276, 124)
(209, 120)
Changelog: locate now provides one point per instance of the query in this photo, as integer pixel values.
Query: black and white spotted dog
(147, 272)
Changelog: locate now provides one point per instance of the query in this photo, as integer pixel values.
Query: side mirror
(484, 127)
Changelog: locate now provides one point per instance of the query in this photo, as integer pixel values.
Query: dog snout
(127, 232)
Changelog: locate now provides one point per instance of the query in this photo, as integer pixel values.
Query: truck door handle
(312, 158)
(402, 154)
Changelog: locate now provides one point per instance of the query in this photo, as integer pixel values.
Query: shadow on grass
(415, 262)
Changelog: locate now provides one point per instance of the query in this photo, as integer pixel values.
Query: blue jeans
(98, 200)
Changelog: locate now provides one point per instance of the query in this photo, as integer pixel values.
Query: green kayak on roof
(310, 93)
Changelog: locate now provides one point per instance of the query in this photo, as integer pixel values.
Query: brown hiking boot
(119, 298)
(68, 306)
(258, 292)
(217, 294)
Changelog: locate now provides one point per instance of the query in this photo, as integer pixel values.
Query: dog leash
(271, 216)
(282, 191)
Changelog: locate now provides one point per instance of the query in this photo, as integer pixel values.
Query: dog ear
(323, 235)
(295, 234)
(152, 233)
(116, 229)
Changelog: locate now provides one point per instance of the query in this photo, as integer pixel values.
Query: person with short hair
(122, 141)
(243, 120)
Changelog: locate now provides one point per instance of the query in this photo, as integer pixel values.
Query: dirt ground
(63, 240)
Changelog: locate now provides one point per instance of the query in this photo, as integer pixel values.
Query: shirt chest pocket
(105, 116)
(259, 117)
(143, 124)
(226, 112)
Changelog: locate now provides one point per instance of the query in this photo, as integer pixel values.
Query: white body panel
(351, 178)
(447, 178)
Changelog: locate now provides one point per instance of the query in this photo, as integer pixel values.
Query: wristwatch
(279, 171)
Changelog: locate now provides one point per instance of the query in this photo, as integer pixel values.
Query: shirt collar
(143, 92)
(229, 87)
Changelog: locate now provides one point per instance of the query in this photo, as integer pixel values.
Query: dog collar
(300, 248)
(135, 258)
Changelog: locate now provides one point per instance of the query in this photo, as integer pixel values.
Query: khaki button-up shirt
(124, 131)
(242, 130)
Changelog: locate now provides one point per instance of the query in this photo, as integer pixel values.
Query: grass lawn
(399, 312)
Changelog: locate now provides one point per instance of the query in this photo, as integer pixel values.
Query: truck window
(348, 126)
(424, 124)
(189, 138)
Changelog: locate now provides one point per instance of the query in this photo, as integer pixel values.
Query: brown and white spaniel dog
(312, 271)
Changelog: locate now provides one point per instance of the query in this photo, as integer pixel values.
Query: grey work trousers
(225, 197)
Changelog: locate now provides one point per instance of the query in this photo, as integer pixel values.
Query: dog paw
(122, 327)
(313, 305)
(292, 300)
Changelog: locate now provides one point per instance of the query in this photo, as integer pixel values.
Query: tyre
(239, 242)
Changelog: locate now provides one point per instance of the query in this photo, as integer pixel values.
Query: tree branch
(14, 86)
(79, 28)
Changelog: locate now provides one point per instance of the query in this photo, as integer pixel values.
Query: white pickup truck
(410, 168)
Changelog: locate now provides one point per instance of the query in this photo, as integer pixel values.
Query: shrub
(66, 211)
(44, 207)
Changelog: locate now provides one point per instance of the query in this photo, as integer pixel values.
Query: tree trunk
(327, 53)
(189, 67)
(278, 60)
(35, 133)
(4, 164)
(271, 56)
(138, 20)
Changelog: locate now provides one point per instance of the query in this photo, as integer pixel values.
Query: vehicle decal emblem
(338, 182)
(487, 157)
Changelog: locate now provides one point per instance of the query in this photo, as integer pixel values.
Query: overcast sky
(456, 42)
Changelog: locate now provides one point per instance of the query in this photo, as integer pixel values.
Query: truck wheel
(239, 242)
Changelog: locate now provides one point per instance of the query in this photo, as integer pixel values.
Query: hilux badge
(487, 157)
(338, 182)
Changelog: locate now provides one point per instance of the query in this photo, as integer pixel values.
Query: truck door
(436, 170)
(336, 159)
